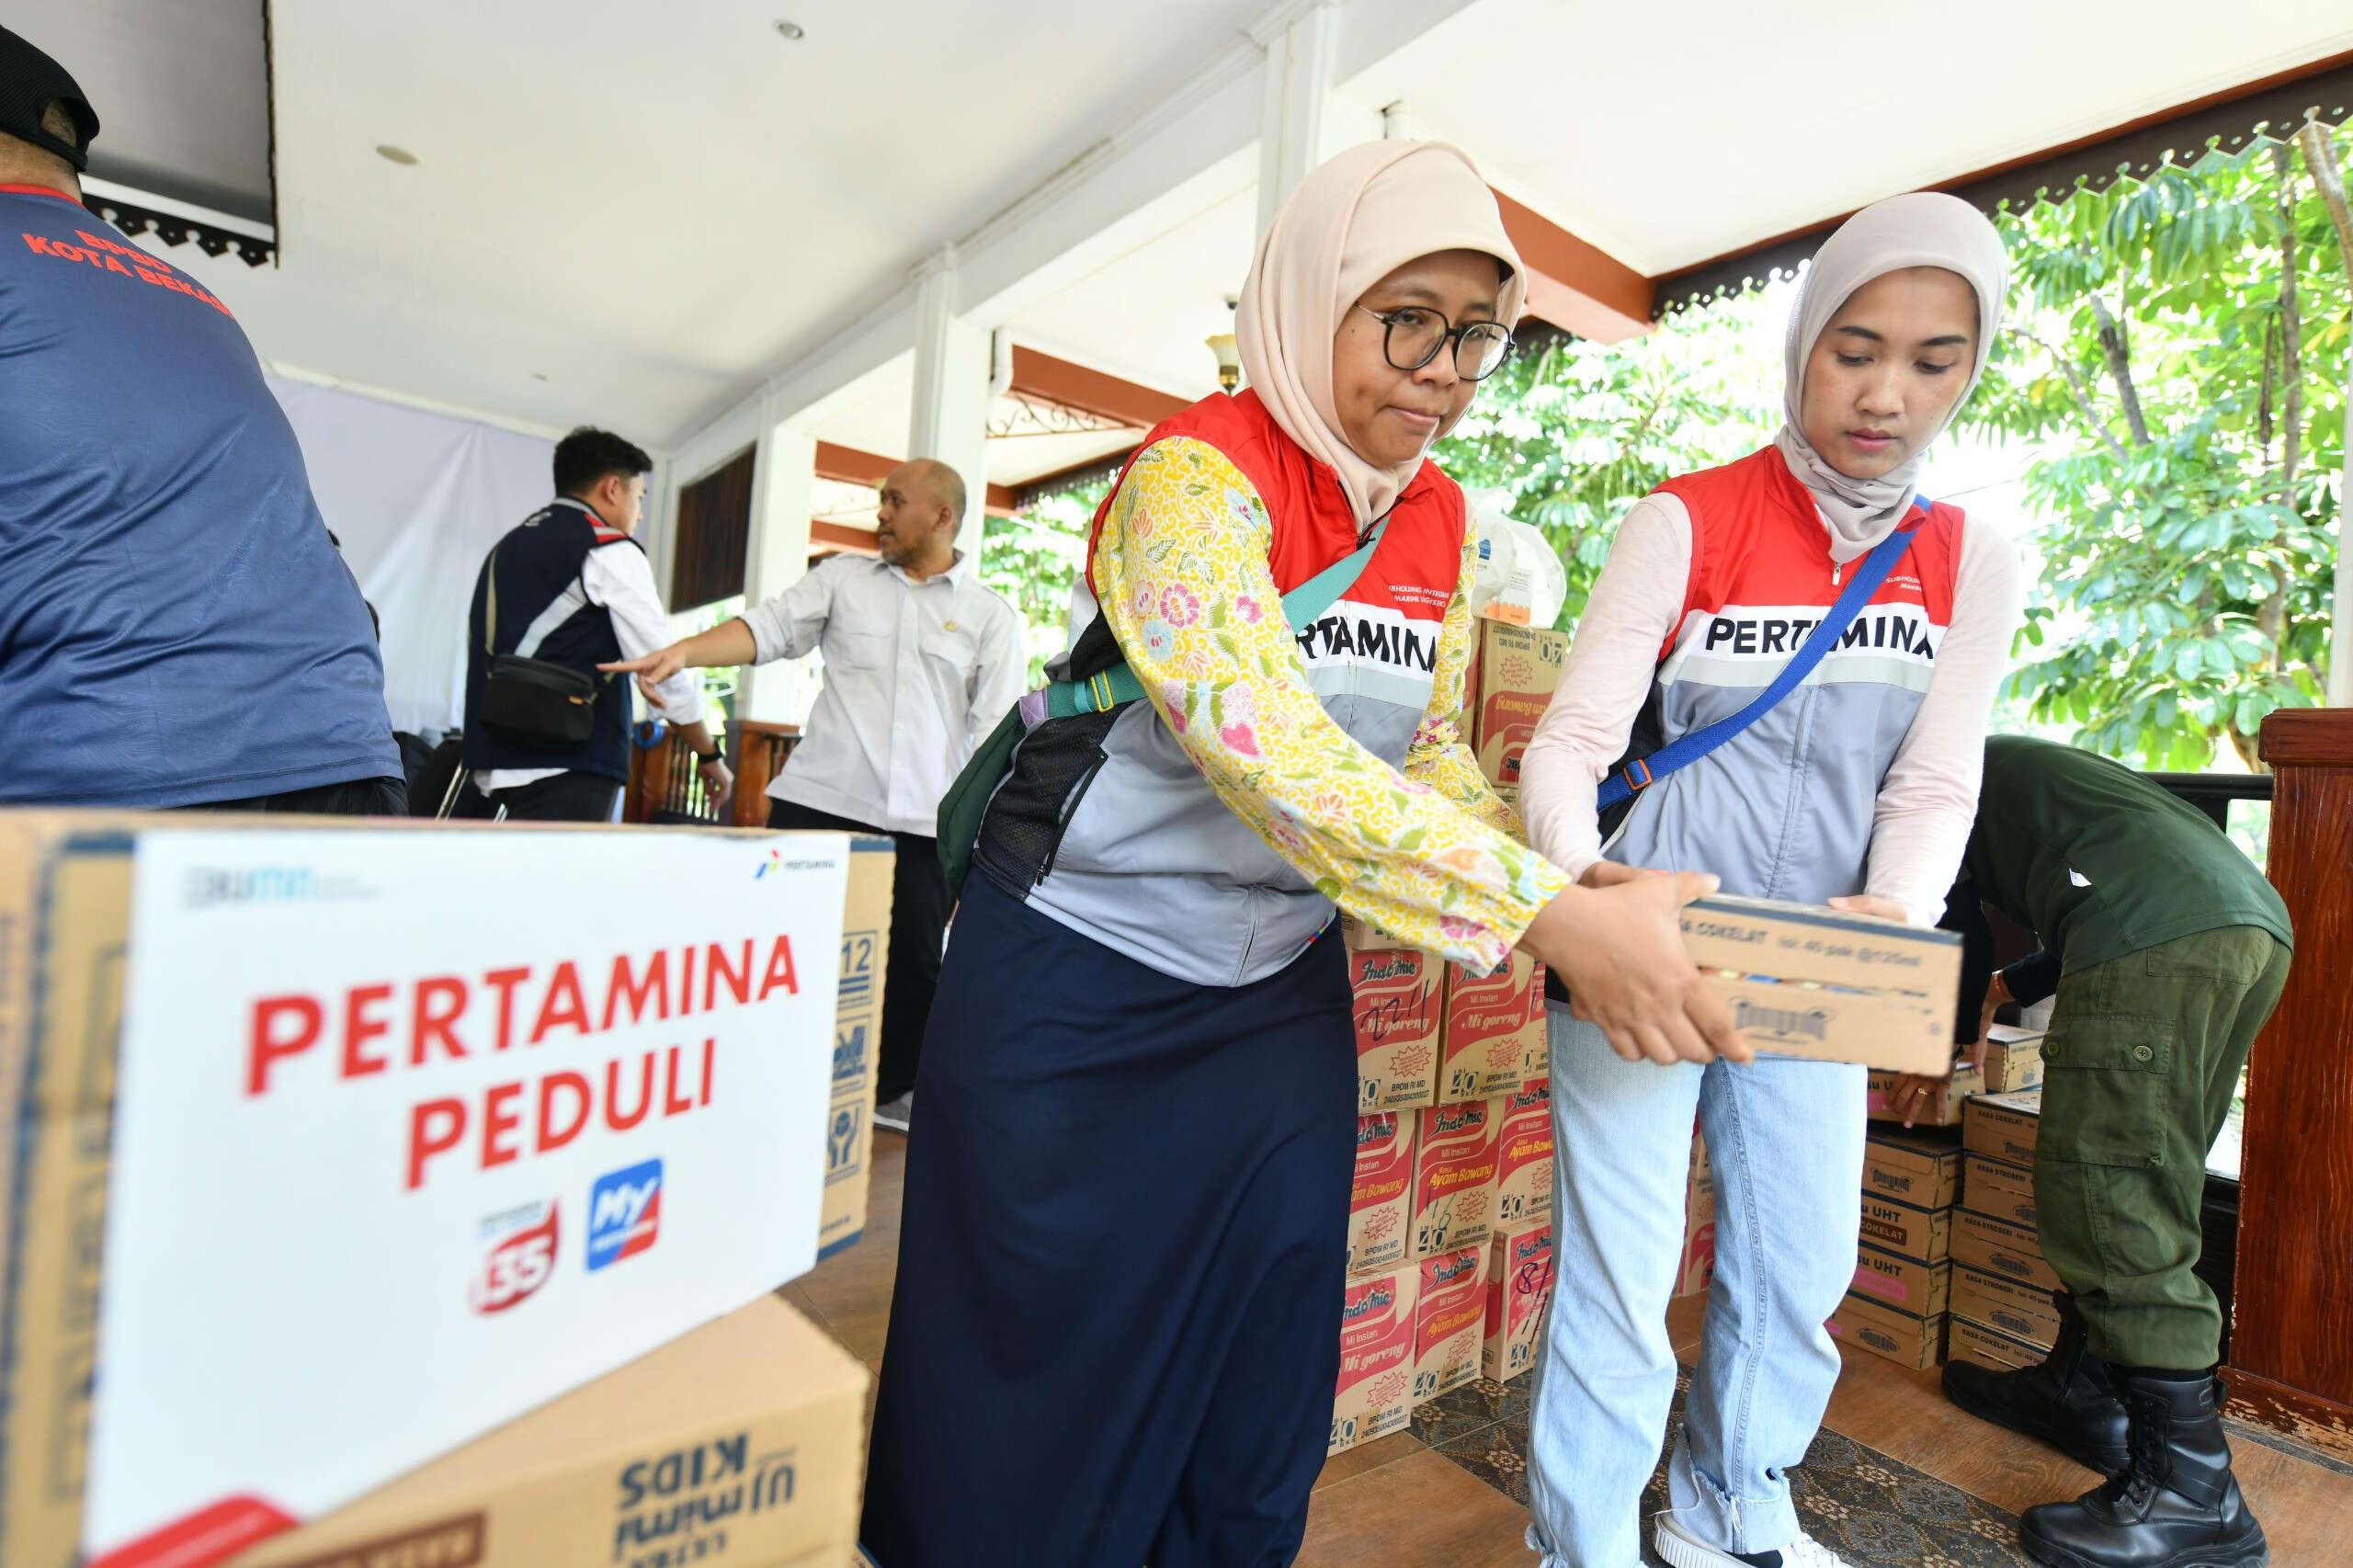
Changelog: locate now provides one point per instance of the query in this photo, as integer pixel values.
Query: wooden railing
(665, 787)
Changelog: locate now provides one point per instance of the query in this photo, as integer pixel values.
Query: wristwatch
(713, 754)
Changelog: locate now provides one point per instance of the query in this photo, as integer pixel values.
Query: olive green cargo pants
(2141, 1061)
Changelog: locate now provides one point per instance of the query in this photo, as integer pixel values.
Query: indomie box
(1520, 1288)
(1375, 1394)
(2004, 1127)
(1400, 1010)
(1922, 1169)
(2021, 1311)
(1495, 1028)
(1449, 1322)
(1924, 1235)
(1380, 1203)
(1524, 1156)
(1920, 1290)
(1918, 1343)
(1698, 1266)
(1454, 1176)
(1511, 684)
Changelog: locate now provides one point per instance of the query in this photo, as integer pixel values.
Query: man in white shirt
(921, 663)
(570, 587)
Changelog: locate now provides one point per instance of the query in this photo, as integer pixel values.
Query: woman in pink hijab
(1115, 1335)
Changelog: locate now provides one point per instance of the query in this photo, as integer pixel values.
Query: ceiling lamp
(392, 155)
(790, 31)
(1229, 360)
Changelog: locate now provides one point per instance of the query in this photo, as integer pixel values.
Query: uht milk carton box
(1376, 1392)
(1380, 1203)
(1494, 1031)
(1454, 1176)
(1449, 1322)
(1400, 1010)
(271, 1089)
(1524, 1156)
(1520, 1286)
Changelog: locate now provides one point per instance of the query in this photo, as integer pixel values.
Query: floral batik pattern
(1428, 855)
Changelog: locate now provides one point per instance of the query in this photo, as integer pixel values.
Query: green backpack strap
(962, 808)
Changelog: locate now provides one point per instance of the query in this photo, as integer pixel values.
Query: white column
(1290, 116)
(949, 419)
(776, 556)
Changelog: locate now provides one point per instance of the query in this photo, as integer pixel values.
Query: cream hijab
(1923, 229)
(1350, 223)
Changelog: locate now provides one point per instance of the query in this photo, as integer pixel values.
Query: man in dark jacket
(2167, 950)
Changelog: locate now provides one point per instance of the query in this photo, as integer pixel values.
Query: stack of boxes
(1449, 1233)
(1950, 1262)
(1698, 1264)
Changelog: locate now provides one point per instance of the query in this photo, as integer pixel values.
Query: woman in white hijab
(1115, 1335)
(1857, 788)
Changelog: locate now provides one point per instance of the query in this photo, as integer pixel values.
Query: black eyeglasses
(1411, 338)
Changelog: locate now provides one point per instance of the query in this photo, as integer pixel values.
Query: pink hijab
(1351, 222)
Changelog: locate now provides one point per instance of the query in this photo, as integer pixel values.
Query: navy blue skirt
(1116, 1330)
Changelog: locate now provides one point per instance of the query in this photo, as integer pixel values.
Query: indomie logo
(1376, 1299)
(1458, 1119)
(1445, 1272)
(1400, 968)
(1379, 1128)
(624, 1213)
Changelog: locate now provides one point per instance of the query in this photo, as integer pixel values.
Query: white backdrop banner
(417, 499)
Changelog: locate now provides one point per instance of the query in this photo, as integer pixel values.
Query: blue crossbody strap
(1303, 606)
(1869, 572)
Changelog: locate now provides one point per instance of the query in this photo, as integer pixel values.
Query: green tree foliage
(1575, 431)
(1033, 559)
(2178, 354)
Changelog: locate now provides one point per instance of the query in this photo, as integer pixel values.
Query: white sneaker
(1678, 1548)
(893, 1114)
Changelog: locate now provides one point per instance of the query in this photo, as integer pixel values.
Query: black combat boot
(2067, 1401)
(2176, 1504)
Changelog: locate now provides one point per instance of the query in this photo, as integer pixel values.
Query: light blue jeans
(1785, 1142)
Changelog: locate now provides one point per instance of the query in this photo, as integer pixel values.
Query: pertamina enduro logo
(521, 1257)
(624, 1213)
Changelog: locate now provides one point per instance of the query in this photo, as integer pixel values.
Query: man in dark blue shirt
(177, 629)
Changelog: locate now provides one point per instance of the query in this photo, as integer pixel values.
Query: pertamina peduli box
(1520, 1286)
(1380, 1202)
(1454, 1176)
(1494, 1030)
(1524, 1156)
(1400, 1005)
(1376, 1391)
(1808, 981)
(288, 1086)
(1511, 682)
(1449, 1322)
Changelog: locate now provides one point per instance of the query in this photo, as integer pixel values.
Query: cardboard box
(1375, 1394)
(2005, 1192)
(1495, 1028)
(1922, 1235)
(1831, 947)
(741, 1443)
(1454, 1176)
(1916, 1343)
(1449, 1322)
(1524, 1156)
(1511, 682)
(1698, 1267)
(2012, 1058)
(1380, 1204)
(1519, 1288)
(1400, 1001)
(327, 996)
(1878, 1028)
(1992, 1247)
(1912, 1166)
(1905, 1284)
(2022, 1312)
(857, 1033)
(2004, 1127)
(1972, 1342)
(1941, 1107)
(1359, 937)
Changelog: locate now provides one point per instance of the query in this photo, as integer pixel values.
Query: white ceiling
(629, 223)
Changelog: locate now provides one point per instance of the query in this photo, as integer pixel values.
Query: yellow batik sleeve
(1441, 758)
(1181, 569)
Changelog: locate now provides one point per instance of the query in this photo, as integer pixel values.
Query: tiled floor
(1415, 1507)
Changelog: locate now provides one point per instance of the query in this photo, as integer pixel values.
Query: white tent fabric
(416, 499)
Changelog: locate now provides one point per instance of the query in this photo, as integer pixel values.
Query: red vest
(1758, 551)
(1393, 612)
